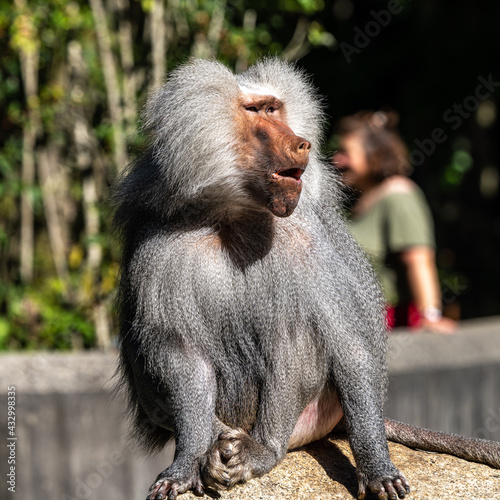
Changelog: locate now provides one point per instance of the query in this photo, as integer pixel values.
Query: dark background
(423, 63)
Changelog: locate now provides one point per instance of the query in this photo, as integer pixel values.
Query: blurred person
(391, 220)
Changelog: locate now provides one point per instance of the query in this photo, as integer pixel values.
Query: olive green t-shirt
(398, 220)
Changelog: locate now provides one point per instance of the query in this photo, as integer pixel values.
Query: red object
(405, 314)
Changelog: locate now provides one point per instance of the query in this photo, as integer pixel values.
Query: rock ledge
(325, 470)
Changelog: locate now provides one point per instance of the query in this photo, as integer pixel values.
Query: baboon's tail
(475, 450)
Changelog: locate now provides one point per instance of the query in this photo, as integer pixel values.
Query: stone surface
(72, 436)
(325, 470)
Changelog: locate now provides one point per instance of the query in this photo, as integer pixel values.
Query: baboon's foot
(169, 485)
(394, 486)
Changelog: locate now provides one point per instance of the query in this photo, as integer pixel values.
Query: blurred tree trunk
(127, 61)
(206, 46)
(86, 149)
(113, 89)
(27, 216)
(216, 25)
(94, 253)
(90, 197)
(48, 159)
(299, 45)
(179, 17)
(249, 21)
(102, 325)
(94, 259)
(158, 43)
(29, 55)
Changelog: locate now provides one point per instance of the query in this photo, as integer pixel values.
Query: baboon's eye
(270, 110)
(252, 109)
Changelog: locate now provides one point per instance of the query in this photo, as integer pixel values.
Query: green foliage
(40, 317)
(51, 49)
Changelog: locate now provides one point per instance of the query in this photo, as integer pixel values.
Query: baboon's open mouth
(285, 189)
(295, 173)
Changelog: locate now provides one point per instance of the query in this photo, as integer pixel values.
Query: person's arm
(424, 285)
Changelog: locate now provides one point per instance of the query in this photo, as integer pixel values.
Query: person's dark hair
(385, 150)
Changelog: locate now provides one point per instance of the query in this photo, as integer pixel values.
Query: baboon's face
(274, 155)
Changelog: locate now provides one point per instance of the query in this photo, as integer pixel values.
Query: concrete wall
(72, 441)
(72, 438)
(448, 383)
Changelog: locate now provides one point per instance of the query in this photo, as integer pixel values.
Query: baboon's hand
(388, 487)
(234, 458)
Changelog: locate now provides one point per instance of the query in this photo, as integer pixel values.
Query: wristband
(432, 314)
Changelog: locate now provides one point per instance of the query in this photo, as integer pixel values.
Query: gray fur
(218, 338)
